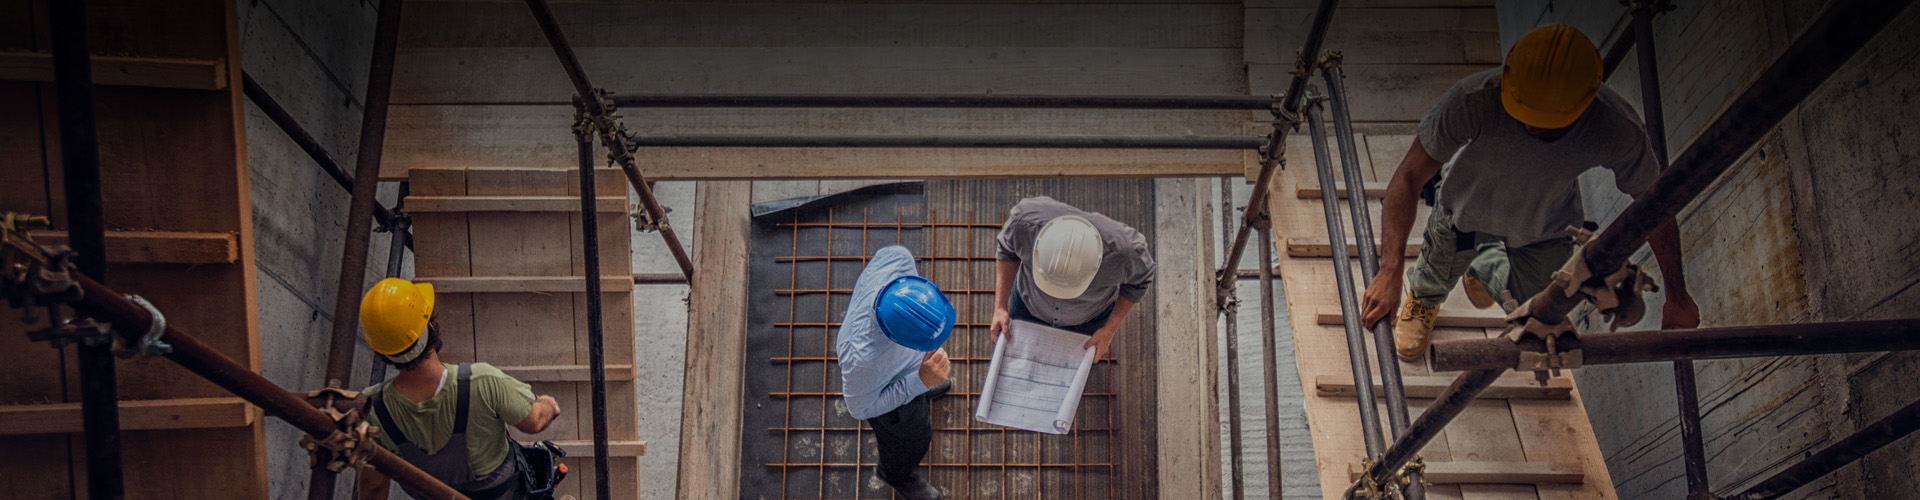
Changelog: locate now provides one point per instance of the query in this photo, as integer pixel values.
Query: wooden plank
(595, 25)
(1189, 419)
(1319, 247)
(510, 204)
(460, 136)
(1428, 386)
(505, 75)
(1449, 318)
(1374, 190)
(565, 373)
(1380, 92)
(710, 414)
(1372, 3)
(1444, 35)
(158, 72)
(525, 284)
(185, 413)
(168, 247)
(1493, 472)
(584, 448)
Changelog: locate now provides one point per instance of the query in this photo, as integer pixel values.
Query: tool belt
(540, 468)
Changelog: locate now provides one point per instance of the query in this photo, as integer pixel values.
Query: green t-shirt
(498, 401)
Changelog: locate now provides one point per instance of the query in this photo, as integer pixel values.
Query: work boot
(1415, 329)
(1476, 291)
(940, 389)
(917, 490)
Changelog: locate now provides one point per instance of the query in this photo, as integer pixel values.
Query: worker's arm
(1103, 337)
(1396, 222)
(1003, 274)
(544, 410)
(372, 484)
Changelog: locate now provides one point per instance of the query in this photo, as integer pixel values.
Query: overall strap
(386, 420)
(465, 395)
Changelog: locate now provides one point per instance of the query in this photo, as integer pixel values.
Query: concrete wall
(1799, 230)
(312, 55)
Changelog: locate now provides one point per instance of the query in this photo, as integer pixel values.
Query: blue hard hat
(913, 312)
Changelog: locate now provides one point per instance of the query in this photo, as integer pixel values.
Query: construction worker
(448, 420)
(891, 363)
(1514, 141)
(1068, 268)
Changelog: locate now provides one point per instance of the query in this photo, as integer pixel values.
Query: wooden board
(564, 373)
(1319, 247)
(186, 413)
(172, 73)
(510, 204)
(1380, 92)
(525, 284)
(1449, 317)
(710, 415)
(1428, 386)
(584, 448)
(164, 247)
(1374, 190)
(1493, 472)
(1189, 421)
(1421, 35)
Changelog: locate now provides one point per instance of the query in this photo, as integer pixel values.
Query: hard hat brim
(1510, 100)
(1059, 291)
(414, 351)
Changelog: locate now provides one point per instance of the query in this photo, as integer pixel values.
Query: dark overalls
(450, 465)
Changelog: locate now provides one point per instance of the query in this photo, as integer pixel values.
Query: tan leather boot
(1476, 291)
(1414, 331)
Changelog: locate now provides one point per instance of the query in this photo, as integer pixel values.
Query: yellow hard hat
(394, 314)
(1550, 76)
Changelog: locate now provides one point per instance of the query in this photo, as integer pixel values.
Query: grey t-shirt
(1126, 270)
(1524, 190)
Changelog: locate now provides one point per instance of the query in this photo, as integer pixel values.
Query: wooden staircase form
(502, 246)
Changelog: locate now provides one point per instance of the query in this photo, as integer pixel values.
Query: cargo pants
(1507, 272)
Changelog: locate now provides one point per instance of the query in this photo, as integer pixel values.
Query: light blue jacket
(876, 374)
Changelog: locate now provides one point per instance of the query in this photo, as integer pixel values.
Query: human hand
(1101, 340)
(1679, 312)
(1382, 297)
(1001, 324)
(550, 402)
(934, 367)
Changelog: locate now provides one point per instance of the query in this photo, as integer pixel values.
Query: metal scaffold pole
(1343, 279)
(1235, 465)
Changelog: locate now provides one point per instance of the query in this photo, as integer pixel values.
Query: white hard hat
(1066, 255)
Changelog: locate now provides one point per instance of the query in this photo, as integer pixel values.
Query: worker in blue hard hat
(891, 363)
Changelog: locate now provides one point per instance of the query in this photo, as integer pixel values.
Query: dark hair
(433, 345)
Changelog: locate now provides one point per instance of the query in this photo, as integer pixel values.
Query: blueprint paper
(1035, 380)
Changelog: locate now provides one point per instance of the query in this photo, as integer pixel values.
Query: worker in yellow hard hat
(450, 420)
(1513, 142)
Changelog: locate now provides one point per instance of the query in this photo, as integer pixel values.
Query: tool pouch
(540, 468)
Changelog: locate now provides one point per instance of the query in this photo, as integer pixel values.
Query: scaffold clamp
(350, 446)
(149, 344)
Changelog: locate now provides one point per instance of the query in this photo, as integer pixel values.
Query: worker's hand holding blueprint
(1035, 379)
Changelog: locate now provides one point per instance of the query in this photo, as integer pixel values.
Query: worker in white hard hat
(1513, 142)
(449, 420)
(1068, 268)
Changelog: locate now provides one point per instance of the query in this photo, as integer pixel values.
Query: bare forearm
(371, 484)
(1665, 241)
(1399, 207)
(1119, 314)
(1004, 272)
(545, 410)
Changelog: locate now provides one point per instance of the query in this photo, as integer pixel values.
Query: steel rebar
(1343, 280)
(86, 233)
(588, 99)
(189, 352)
(1392, 386)
(1270, 363)
(359, 231)
(1166, 102)
(943, 141)
(596, 344)
(1237, 484)
(1690, 344)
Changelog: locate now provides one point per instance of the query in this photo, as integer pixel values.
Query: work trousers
(903, 436)
(1507, 272)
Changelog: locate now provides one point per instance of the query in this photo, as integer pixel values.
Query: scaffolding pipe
(1615, 55)
(1392, 386)
(1343, 280)
(1163, 102)
(1686, 390)
(353, 258)
(1690, 344)
(1285, 115)
(1846, 451)
(658, 279)
(1269, 369)
(1444, 409)
(107, 305)
(1235, 464)
(86, 233)
(1826, 44)
(945, 141)
(587, 99)
(306, 142)
(596, 345)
